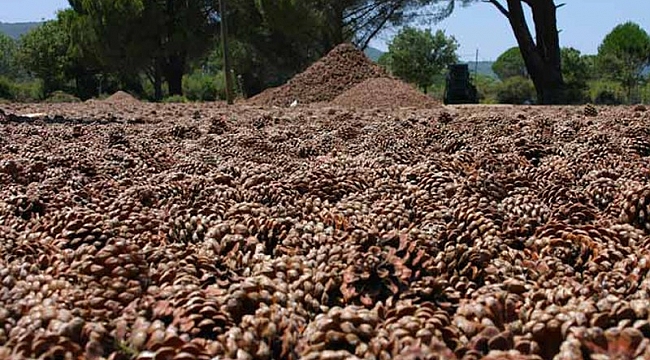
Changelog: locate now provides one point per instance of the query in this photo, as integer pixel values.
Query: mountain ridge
(15, 30)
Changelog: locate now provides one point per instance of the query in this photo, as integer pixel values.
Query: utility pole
(476, 66)
(225, 50)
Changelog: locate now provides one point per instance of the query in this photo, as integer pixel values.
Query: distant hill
(482, 67)
(14, 30)
(373, 54)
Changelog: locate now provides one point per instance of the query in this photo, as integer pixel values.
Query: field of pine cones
(145, 231)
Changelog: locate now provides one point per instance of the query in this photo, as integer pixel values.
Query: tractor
(458, 88)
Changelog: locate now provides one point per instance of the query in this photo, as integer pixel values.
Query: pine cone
(590, 110)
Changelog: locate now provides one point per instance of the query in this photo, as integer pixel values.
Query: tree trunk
(175, 63)
(336, 23)
(157, 87)
(542, 59)
(174, 74)
(157, 82)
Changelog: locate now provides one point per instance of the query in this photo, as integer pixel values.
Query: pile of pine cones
(204, 232)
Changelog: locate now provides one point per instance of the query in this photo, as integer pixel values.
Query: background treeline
(170, 50)
(617, 74)
(157, 49)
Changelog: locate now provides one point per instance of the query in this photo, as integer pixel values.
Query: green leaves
(510, 64)
(417, 56)
(43, 53)
(516, 90)
(624, 53)
(576, 71)
(7, 53)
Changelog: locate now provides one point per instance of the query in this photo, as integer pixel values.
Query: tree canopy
(44, 54)
(141, 45)
(576, 72)
(510, 64)
(624, 53)
(129, 36)
(418, 56)
(8, 49)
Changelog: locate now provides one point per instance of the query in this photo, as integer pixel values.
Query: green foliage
(575, 70)
(487, 88)
(61, 97)
(516, 90)
(244, 62)
(274, 40)
(418, 56)
(606, 92)
(510, 64)
(43, 53)
(645, 93)
(384, 61)
(20, 91)
(623, 55)
(176, 99)
(6, 89)
(591, 62)
(437, 89)
(133, 36)
(28, 91)
(7, 56)
(200, 86)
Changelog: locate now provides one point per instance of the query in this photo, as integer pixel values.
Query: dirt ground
(179, 231)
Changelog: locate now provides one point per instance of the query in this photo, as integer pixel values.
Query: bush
(644, 93)
(20, 91)
(576, 94)
(175, 99)
(28, 91)
(607, 97)
(200, 86)
(437, 89)
(487, 88)
(606, 92)
(61, 97)
(516, 90)
(6, 89)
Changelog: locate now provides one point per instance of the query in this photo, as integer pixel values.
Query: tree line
(616, 74)
(160, 48)
(157, 48)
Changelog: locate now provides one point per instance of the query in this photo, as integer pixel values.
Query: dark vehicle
(458, 88)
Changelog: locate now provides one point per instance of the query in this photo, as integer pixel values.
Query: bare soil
(183, 231)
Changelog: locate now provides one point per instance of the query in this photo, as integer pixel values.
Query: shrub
(516, 90)
(200, 86)
(175, 99)
(606, 92)
(487, 88)
(61, 97)
(645, 93)
(6, 89)
(607, 97)
(20, 91)
(576, 94)
(28, 91)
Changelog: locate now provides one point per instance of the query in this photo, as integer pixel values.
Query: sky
(583, 23)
